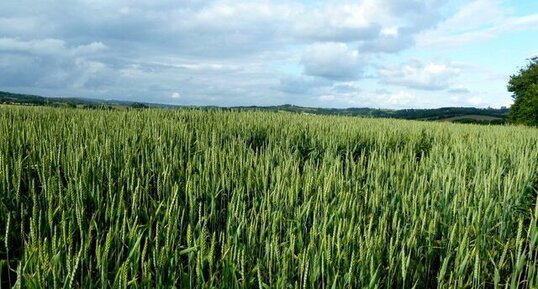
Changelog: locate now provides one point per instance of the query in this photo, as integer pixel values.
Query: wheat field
(221, 199)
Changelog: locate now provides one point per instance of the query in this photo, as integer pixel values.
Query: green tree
(524, 89)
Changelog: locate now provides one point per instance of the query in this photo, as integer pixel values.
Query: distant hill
(452, 114)
(28, 99)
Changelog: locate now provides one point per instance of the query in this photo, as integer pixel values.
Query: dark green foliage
(423, 145)
(482, 122)
(524, 88)
(257, 139)
(138, 105)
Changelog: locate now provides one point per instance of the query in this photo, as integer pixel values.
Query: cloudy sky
(374, 53)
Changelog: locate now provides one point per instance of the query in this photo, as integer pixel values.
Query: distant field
(473, 117)
(477, 115)
(216, 199)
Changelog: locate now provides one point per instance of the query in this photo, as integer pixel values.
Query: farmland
(189, 198)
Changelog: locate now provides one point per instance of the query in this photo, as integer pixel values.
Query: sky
(363, 53)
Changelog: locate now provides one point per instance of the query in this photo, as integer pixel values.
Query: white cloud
(176, 95)
(89, 73)
(336, 22)
(401, 98)
(376, 99)
(89, 48)
(479, 20)
(475, 15)
(389, 31)
(418, 75)
(406, 98)
(475, 101)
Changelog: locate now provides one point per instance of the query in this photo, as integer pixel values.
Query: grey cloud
(40, 47)
(47, 47)
(212, 52)
(332, 61)
(302, 84)
(389, 43)
(345, 87)
(13, 26)
(339, 34)
(51, 64)
(420, 14)
(205, 27)
(18, 71)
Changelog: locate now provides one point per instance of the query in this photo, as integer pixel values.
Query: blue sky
(362, 53)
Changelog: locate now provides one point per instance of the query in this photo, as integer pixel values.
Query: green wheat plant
(227, 199)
